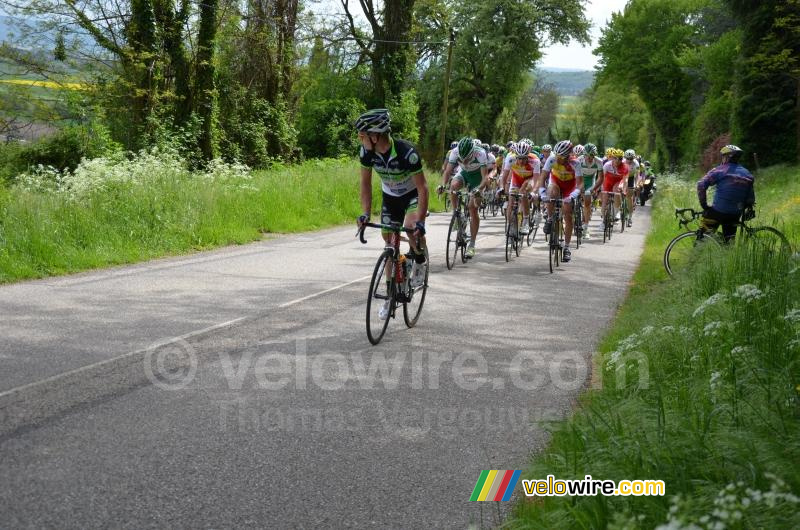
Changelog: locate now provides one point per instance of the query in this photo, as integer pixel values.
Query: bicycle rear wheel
(412, 309)
(578, 222)
(686, 249)
(380, 291)
(452, 242)
(770, 239)
(518, 239)
(623, 215)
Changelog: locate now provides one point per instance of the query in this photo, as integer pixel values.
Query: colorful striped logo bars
(495, 485)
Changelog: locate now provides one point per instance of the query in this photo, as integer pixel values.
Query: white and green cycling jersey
(590, 170)
(470, 168)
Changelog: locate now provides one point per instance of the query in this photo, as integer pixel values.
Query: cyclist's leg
(411, 217)
(456, 183)
(569, 195)
(587, 206)
(474, 219)
(526, 203)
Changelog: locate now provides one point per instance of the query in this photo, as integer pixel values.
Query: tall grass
(112, 211)
(701, 389)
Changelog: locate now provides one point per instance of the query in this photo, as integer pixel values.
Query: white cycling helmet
(523, 148)
(578, 150)
(547, 147)
(563, 148)
(630, 153)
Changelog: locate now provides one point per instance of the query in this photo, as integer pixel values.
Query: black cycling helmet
(374, 121)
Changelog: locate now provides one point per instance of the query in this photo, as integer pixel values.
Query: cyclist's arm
(543, 180)
(751, 197)
(702, 187)
(448, 172)
(422, 191)
(484, 178)
(366, 190)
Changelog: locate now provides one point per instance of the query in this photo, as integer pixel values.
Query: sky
(576, 55)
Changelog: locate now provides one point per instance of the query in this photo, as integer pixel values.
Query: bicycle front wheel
(380, 298)
(452, 242)
(509, 238)
(686, 249)
(413, 308)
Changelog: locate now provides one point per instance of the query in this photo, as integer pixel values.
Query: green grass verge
(715, 413)
(150, 209)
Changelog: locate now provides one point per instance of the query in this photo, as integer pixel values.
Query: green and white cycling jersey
(633, 173)
(491, 161)
(472, 166)
(591, 170)
(396, 168)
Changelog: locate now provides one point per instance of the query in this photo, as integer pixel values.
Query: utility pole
(442, 138)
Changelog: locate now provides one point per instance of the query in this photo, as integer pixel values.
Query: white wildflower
(711, 300)
(748, 292)
(793, 316)
(648, 330)
(712, 328)
(738, 350)
(668, 329)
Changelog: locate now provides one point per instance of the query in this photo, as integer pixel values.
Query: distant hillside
(568, 83)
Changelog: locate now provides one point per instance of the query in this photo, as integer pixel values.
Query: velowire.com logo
(495, 485)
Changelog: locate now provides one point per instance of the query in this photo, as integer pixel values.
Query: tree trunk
(140, 64)
(204, 83)
(172, 30)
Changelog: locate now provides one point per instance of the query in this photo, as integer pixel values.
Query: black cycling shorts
(394, 209)
(713, 218)
(632, 182)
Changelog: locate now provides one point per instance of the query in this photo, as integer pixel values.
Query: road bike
(457, 235)
(556, 236)
(609, 215)
(514, 236)
(625, 212)
(534, 218)
(686, 248)
(577, 219)
(391, 281)
(446, 192)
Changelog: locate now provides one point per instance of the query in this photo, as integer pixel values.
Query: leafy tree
(496, 45)
(536, 109)
(387, 50)
(767, 111)
(640, 47)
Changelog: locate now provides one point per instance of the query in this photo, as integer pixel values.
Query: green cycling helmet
(590, 149)
(465, 147)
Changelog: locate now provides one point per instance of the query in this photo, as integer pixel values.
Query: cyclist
(734, 193)
(592, 169)
(525, 170)
(615, 171)
(404, 190)
(564, 175)
(633, 175)
(547, 149)
(472, 161)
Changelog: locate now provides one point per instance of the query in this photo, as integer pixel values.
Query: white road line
(118, 358)
(303, 299)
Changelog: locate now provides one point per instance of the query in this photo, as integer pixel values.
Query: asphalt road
(237, 387)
